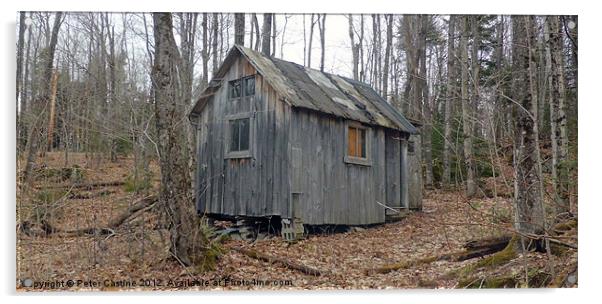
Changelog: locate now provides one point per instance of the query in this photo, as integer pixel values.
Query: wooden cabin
(277, 139)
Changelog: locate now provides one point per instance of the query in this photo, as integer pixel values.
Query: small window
(356, 142)
(234, 89)
(249, 86)
(239, 134)
(411, 148)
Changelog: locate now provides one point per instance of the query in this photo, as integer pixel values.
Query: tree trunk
(257, 33)
(388, 47)
(466, 115)
(354, 49)
(322, 26)
(22, 139)
(450, 94)
(239, 28)
(175, 192)
(425, 101)
(311, 39)
(34, 134)
(19, 77)
(266, 32)
(527, 187)
(51, 115)
(558, 116)
(205, 52)
(362, 73)
(214, 29)
(273, 48)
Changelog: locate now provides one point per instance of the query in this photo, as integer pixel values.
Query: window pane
(234, 135)
(362, 140)
(244, 134)
(250, 86)
(352, 142)
(235, 89)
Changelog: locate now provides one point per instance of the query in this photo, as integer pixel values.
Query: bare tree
(528, 198)
(239, 28)
(311, 39)
(274, 35)
(449, 99)
(388, 47)
(34, 134)
(175, 193)
(266, 32)
(558, 121)
(257, 32)
(205, 52)
(355, 54)
(20, 50)
(322, 27)
(214, 40)
(471, 186)
(425, 100)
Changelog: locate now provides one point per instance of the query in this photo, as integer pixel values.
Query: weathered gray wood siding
(332, 191)
(415, 172)
(255, 186)
(393, 167)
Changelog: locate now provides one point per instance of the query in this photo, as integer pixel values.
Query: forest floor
(136, 253)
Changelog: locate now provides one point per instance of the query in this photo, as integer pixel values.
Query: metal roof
(312, 89)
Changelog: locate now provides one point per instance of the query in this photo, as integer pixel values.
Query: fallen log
(139, 205)
(87, 186)
(473, 249)
(90, 195)
(271, 259)
(113, 224)
(494, 242)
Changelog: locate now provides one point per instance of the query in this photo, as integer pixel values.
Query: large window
(238, 136)
(357, 144)
(242, 87)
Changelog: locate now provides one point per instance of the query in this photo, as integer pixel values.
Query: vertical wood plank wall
(326, 189)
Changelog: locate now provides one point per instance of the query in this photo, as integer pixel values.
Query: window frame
(243, 89)
(241, 153)
(230, 85)
(364, 161)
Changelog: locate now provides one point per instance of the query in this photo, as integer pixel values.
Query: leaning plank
(271, 259)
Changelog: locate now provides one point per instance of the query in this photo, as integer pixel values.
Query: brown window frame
(358, 158)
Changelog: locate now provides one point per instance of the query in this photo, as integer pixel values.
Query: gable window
(249, 85)
(242, 87)
(357, 144)
(239, 136)
(234, 89)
